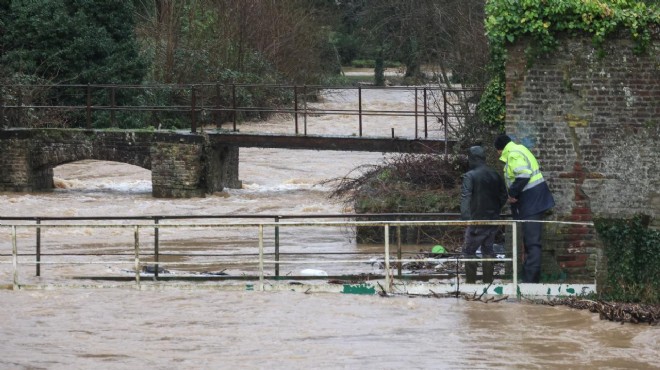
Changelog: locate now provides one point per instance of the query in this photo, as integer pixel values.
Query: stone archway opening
(102, 176)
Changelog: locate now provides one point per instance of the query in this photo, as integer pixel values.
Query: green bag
(438, 249)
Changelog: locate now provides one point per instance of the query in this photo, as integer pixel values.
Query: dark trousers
(532, 241)
(479, 236)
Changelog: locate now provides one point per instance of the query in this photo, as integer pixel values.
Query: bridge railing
(223, 106)
(119, 252)
(58, 241)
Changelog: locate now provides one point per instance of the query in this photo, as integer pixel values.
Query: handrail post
(426, 123)
(261, 257)
(113, 105)
(233, 103)
(218, 123)
(89, 106)
(514, 256)
(156, 248)
(416, 114)
(388, 280)
(193, 103)
(20, 104)
(137, 256)
(398, 250)
(14, 257)
(360, 109)
(38, 257)
(277, 247)
(458, 280)
(295, 108)
(305, 110)
(446, 117)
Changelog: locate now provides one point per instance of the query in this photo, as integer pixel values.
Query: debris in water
(635, 313)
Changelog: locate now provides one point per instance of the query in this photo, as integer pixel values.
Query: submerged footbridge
(38, 135)
(201, 252)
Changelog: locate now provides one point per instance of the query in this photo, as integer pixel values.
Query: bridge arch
(52, 154)
(182, 165)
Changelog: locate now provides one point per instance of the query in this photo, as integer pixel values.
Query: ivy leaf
(510, 38)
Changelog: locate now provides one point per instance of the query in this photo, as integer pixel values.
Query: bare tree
(193, 40)
(446, 34)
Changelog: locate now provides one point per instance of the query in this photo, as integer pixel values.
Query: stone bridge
(182, 165)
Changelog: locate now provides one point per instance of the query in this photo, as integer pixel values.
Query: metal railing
(218, 103)
(276, 219)
(392, 257)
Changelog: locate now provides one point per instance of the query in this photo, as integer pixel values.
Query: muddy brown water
(175, 328)
(124, 328)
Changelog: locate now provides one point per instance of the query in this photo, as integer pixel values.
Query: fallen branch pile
(635, 313)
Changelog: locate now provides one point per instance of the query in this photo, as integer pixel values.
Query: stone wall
(593, 121)
(177, 168)
(182, 165)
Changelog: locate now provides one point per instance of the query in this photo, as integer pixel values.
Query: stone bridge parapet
(182, 165)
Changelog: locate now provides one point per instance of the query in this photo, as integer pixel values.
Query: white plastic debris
(313, 272)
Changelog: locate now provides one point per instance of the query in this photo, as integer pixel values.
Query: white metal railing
(261, 259)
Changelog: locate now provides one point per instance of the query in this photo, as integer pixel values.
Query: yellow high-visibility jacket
(524, 181)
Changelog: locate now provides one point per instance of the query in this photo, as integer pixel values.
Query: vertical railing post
(458, 280)
(216, 114)
(89, 106)
(261, 257)
(416, 114)
(156, 248)
(388, 280)
(233, 104)
(426, 122)
(14, 258)
(277, 247)
(305, 110)
(137, 256)
(20, 105)
(295, 108)
(514, 256)
(113, 105)
(445, 118)
(398, 250)
(360, 109)
(38, 252)
(3, 109)
(193, 107)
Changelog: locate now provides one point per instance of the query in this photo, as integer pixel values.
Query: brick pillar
(177, 170)
(221, 164)
(18, 172)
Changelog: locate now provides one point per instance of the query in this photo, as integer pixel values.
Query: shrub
(632, 251)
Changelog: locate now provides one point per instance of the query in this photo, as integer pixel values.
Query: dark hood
(476, 156)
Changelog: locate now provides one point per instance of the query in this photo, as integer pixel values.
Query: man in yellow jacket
(529, 197)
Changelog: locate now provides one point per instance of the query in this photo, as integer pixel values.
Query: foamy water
(207, 329)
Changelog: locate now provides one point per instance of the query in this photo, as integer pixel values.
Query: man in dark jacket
(483, 195)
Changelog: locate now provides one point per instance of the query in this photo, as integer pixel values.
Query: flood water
(178, 329)
(119, 328)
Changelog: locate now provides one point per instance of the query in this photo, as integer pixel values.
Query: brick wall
(593, 121)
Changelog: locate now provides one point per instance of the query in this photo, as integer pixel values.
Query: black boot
(488, 271)
(470, 272)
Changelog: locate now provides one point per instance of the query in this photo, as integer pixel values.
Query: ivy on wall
(542, 21)
(632, 250)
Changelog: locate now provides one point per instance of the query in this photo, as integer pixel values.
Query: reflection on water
(207, 329)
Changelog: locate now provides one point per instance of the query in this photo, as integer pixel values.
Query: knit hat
(501, 141)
